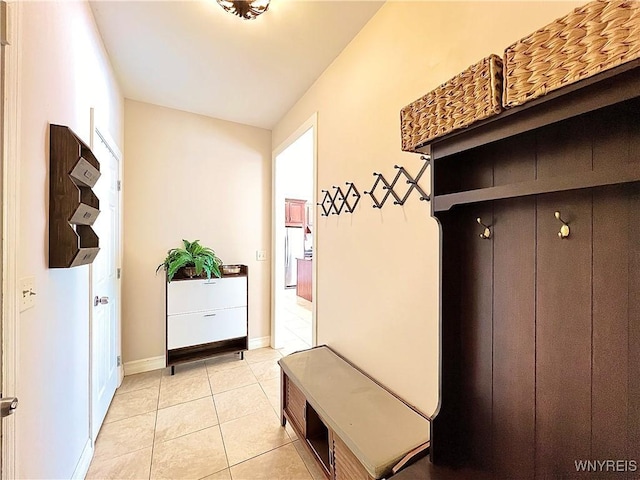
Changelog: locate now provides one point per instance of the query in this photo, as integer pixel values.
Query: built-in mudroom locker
(540, 323)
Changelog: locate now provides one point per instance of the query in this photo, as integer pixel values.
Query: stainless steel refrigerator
(293, 249)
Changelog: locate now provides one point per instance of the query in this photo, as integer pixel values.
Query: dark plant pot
(189, 271)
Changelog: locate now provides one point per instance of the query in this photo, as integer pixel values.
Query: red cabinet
(303, 284)
(294, 213)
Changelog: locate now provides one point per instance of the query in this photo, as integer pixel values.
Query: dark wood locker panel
(634, 132)
(514, 275)
(610, 393)
(459, 173)
(446, 426)
(634, 294)
(564, 149)
(476, 333)
(563, 334)
(515, 159)
(615, 134)
(545, 329)
(633, 415)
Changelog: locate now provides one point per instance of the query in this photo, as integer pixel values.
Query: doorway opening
(294, 254)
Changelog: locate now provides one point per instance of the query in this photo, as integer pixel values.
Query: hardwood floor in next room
(215, 419)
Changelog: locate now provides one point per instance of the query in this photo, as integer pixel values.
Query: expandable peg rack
(334, 204)
(389, 187)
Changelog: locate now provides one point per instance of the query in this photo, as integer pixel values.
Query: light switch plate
(261, 255)
(27, 293)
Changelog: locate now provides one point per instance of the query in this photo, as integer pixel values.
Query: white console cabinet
(206, 317)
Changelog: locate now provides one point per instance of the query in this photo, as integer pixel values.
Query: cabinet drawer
(187, 296)
(205, 327)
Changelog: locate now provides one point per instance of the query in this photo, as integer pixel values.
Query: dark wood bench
(354, 427)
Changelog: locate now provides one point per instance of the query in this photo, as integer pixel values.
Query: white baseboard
(259, 342)
(144, 365)
(82, 468)
(154, 363)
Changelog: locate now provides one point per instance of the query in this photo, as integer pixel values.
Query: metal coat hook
(486, 235)
(564, 230)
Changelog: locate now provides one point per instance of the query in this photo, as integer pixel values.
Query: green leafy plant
(193, 254)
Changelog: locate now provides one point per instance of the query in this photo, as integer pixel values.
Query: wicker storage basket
(596, 37)
(472, 95)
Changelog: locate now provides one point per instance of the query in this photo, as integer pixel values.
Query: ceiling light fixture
(247, 9)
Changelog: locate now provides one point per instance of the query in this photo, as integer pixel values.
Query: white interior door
(105, 334)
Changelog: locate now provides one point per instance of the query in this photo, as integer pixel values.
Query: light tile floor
(215, 419)
(295, 315)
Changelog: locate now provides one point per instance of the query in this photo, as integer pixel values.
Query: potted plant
(194, 259)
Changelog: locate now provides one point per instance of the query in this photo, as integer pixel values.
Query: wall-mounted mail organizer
(334, 203)
(389, 187)
(73, 206)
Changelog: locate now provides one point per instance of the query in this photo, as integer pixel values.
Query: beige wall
(377, 269)
(193, 177)
(64, 71)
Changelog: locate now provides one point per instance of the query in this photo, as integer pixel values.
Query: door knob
(8, 406)
(100, 301)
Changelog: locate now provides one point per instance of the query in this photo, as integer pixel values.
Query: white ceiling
(194, 56)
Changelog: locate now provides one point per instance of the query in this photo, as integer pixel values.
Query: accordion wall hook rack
(334, 203)
(391, 186)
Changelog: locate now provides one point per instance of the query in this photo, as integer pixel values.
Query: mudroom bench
(354, 428)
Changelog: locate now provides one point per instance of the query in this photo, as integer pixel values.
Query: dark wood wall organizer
(334, 203)
(390, 187)
(539, 211)
(73, 207)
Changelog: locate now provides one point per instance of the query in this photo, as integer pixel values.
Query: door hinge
(118, 272)
(119, 185)
(4, 24)
(119, 361)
